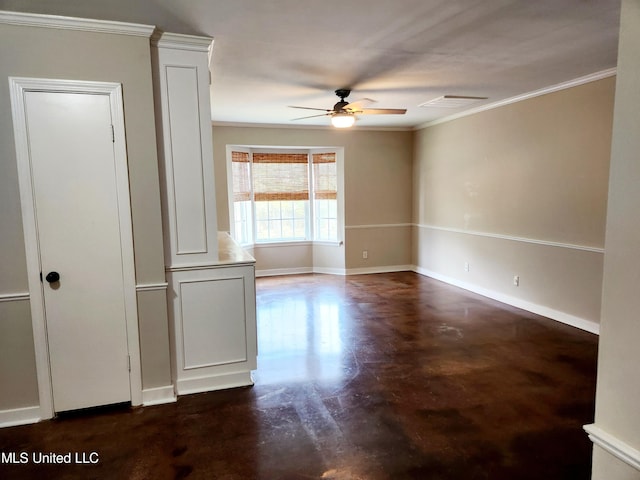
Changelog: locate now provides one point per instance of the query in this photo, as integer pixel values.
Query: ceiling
(269, 54)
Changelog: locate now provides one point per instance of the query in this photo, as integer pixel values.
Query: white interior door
(75, 202)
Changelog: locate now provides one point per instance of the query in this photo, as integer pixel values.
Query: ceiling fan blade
(312, 116)
(311, 108)
(359, 104)
(383, 111)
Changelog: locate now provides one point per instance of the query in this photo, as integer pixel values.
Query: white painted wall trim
(525, 96)
(329, 271)
(158, 395)
(302, 243)
(72, 23)
(178, 41)
(379, 269)
(207, 266)
(613, 445)
(14, 297)
(551, 313)
(380, 225)
(335, 271)
(274, 272)
(150, 287)
(19, 416)
(547, 243)
(208, 383)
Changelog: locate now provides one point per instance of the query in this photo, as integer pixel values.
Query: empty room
(291, 240)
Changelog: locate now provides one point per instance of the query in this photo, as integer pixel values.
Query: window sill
(300, 243)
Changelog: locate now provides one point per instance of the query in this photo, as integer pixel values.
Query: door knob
(52, 277)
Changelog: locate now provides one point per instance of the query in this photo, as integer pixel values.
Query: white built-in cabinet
(183, 119)
(211, 280)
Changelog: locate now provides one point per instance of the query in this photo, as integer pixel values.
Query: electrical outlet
(365, 254)
(466, 266)
(516, 280)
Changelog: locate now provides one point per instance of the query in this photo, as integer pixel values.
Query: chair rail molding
(513, 238)
(14, 297)
(150, 287)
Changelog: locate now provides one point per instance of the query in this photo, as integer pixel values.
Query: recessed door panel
(213, 322)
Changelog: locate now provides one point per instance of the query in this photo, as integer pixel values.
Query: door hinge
(129, 362)
(113, 134)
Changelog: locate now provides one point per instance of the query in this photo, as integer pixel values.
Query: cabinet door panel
(213, 322)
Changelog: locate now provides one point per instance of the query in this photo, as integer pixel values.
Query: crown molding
(72, 23)
(525, 96)
(178, 41)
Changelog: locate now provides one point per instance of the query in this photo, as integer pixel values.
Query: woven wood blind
(280, 176)
(241, 176)
(325, 181)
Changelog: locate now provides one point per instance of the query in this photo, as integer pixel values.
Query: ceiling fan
(343, 114)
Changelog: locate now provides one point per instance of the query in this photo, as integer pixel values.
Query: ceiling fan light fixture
(343, 120)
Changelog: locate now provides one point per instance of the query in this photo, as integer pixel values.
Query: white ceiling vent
(452, 101)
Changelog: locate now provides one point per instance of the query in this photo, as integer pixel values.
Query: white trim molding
(158, 395)
(335, 271)
(379, 269)
(380, 225)
(19, 416)
(72, 23)
(151, 287)
(301, 243)
(547, 243)
(610, 72)
(562, 317)
(274, 272)
(208, 383)
(178, 41)
(613, 445)
(14, 297)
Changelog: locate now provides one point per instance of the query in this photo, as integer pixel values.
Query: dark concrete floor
(388, 376)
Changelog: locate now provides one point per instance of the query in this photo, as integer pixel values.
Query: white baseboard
(335, 271)
(28, 415)
(214, 382)
(380, 269)
(329, 271)
(158, 395)
(283, 271)
(615, 446)
(562, 317)
(19, 416)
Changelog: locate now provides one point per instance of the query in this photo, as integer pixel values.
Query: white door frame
(18, 87)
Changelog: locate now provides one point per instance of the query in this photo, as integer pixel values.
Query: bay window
(283, 195)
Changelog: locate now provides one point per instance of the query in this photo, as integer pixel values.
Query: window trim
(250, 149)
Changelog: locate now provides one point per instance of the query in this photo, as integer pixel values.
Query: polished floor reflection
(387, 376)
